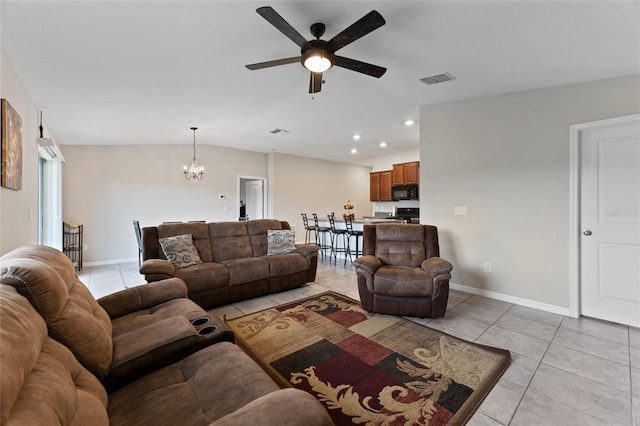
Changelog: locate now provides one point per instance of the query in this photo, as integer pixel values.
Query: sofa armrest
(143, 297)
(435, 266)
(306, 249)
(284, 407)
(149, 348)
(157, 267)
(367, 264)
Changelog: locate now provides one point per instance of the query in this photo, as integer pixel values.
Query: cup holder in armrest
(204, 331)
(198, 322)
(211, 329)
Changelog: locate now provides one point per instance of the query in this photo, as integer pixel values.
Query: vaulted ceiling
(144, 72)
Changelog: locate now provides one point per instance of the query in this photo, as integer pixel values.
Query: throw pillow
(180, 250)
(280, 241)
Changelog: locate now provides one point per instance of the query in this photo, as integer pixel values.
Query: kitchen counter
(358, 222)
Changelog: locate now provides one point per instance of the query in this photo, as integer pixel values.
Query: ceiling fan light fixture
(317, 60)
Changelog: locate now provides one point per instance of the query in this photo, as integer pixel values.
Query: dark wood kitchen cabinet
(380, 186)
(406, 173)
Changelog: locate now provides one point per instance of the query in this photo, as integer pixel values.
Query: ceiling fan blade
(363, 26)
(359, 66)
(278, 21)
(315, 82)
(274, 63)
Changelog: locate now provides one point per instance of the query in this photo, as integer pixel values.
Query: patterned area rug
(368, 368)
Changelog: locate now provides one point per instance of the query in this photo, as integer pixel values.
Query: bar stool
(338, 234)
(308, 229)
(348, 223)
(321, 235)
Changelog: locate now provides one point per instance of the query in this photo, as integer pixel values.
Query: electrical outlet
(487, 267)
(85, 247)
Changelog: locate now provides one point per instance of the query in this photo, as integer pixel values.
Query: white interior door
(255, 199)
(610, 222)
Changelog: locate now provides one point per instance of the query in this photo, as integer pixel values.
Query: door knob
(586, 232)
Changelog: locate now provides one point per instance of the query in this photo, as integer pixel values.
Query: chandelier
(195, 171)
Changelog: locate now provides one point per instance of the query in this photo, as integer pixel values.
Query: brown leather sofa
(119, 337)
(401, 273)
(42, 382)
(59, 347)
(235, 265)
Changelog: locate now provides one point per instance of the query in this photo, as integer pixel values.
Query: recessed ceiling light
(382, 144)
(354, 151)
(408, 123)
(356, 137)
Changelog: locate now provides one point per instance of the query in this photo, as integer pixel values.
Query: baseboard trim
(512, 299)
(108, 262)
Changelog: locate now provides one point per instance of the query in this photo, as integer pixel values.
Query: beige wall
(106, 187)
(306, 185)
(507, 159)
(19, 209)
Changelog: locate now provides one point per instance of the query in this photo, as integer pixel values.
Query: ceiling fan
(318, 55)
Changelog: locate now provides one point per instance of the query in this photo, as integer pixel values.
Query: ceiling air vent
(277, 131)
(435, 79)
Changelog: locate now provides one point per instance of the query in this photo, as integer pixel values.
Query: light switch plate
(460, 210)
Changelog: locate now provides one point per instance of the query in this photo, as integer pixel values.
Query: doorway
(605, 220)
(50, 198)
(251, 191)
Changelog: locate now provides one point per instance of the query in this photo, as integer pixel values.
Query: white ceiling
(124, 72)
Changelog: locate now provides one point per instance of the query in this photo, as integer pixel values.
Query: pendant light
(195, 171)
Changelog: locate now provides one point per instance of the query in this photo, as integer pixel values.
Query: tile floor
(564, 371)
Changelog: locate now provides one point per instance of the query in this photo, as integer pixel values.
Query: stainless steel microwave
(405, 192)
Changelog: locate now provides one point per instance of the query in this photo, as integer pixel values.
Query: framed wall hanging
(11, 166)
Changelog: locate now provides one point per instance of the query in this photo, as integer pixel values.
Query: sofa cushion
(199, 233)
(246, 270)
(402, 281)
(285, 264)
(70, 311)
(280, 241)
(257, 230)
(400, 245)
(204, 277)
(230, 240)
(180, 251)
(201, 388)
(41, 380)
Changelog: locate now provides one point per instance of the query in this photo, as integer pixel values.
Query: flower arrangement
(348, 206)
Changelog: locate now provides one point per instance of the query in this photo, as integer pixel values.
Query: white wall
(19, 209)
(106, 187)
(306, 185)
(507, 159)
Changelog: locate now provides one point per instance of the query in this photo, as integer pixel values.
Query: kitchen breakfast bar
(341, 239)
(358, 222)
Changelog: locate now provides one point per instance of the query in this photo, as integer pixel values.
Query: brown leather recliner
(401, 273)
